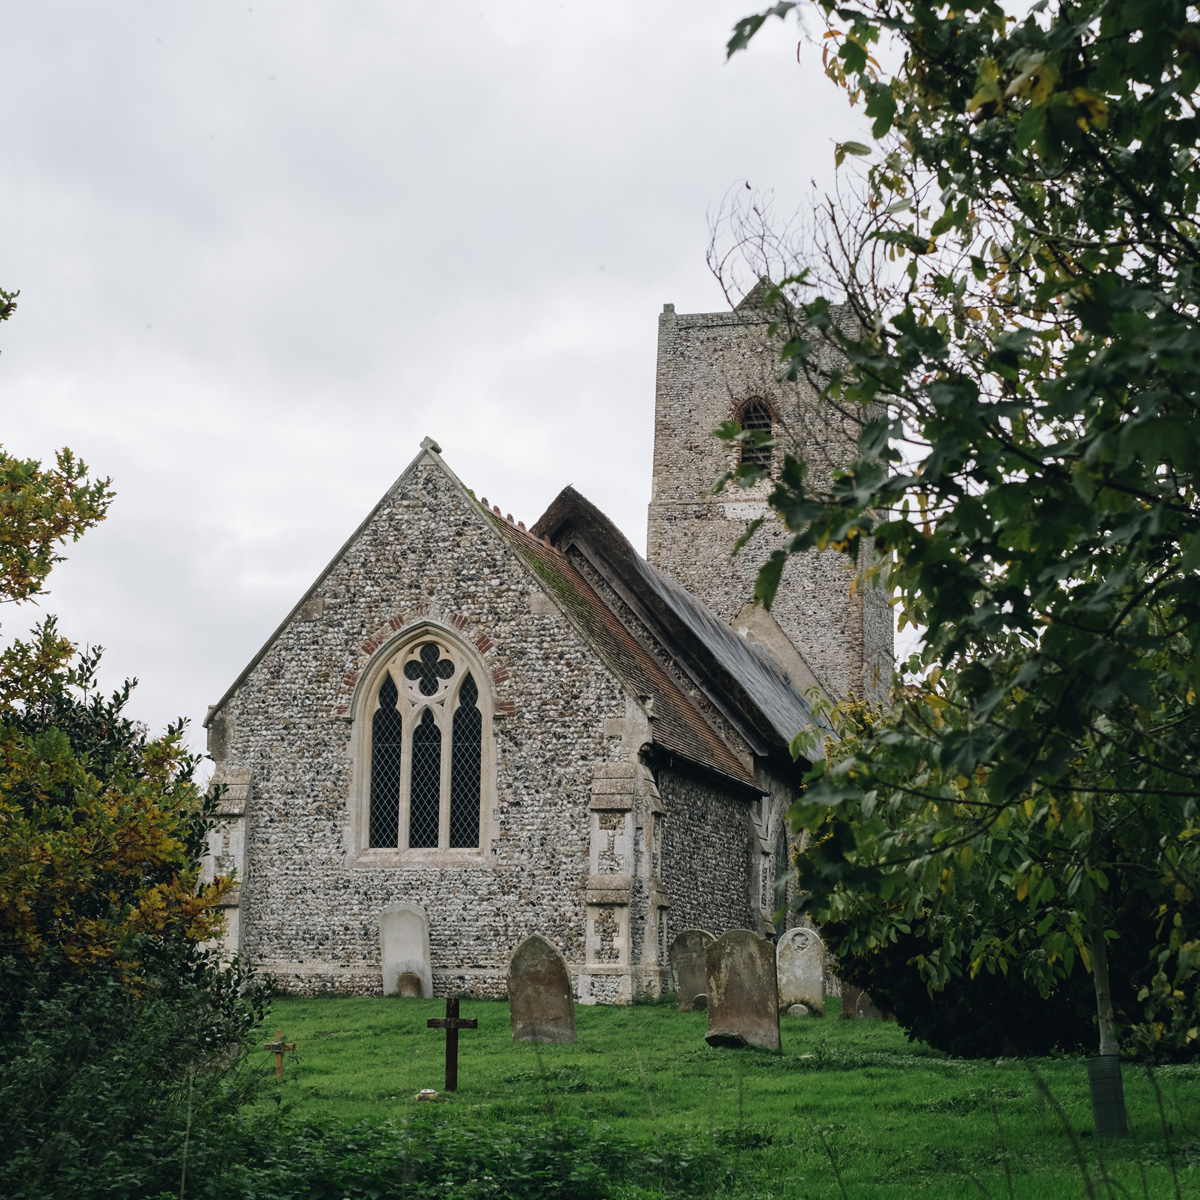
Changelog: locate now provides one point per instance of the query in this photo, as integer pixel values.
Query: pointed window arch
(430, 761)
(755, 416)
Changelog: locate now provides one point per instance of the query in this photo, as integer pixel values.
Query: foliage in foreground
(892, 944)
(363, 1162)
(118, 1027)
(100, 1085)
(120, 1030)
(1019, 344)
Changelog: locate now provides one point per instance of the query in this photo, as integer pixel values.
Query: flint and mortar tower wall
(709, 366)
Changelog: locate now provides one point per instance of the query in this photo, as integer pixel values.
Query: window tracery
(428, 754)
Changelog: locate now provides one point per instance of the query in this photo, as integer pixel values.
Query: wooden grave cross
(279, 1046)
(452, 1023)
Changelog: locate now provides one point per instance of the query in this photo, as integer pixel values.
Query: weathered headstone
(798, 1010)
(866, 1009)
(743, 994)
(539, 993)
(800, 964)
(856, 1004)
(687, 964)
(850, 995)
(404, 951)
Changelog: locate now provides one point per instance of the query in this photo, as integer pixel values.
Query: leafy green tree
(1026, 384)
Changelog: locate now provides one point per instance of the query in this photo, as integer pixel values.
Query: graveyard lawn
(899, 1119)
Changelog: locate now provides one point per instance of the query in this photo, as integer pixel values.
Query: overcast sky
(263, 249)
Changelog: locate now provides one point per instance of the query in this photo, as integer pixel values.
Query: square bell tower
(825, 626)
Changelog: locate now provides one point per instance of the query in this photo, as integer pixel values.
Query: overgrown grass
(896, 1119)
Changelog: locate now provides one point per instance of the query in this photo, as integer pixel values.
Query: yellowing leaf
(987, 88)
(1093, 112)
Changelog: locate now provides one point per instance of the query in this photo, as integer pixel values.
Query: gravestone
(850, 995)
(800, 965)
(539, 993)
(687, 964)
(866, 1009)
(743, 993)
(404, 951)
(856, 1004)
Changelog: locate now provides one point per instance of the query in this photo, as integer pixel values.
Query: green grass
(898, 1119)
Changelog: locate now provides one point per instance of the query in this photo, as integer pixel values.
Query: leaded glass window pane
(756, 417)
(466, 754)
(424, 796)
(386, 728)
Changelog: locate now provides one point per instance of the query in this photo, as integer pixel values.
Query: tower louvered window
(428, 752)
(756, 418)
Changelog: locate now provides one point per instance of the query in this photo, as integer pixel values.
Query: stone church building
(535, 729)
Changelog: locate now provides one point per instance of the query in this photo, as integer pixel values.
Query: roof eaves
(571, 513)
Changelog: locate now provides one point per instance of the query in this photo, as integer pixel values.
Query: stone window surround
(737, 413)
(394, 652)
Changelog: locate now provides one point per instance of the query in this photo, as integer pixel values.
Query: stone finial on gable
(429, 444)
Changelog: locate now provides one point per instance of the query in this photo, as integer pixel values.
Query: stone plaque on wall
(800, 965)
(539, 993)
(743, 993)
(687, 965)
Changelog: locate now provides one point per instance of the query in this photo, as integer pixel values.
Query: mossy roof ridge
(741, 678)
(678, 725)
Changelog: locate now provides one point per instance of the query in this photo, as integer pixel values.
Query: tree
(119, 1026)
(1026, 478)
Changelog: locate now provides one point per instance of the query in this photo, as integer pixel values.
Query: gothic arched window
(755, 417)
(428, 755)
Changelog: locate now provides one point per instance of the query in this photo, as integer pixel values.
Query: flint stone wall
(308, 915)
(309, 907)
(706, 854)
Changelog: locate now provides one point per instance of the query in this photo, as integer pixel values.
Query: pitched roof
(698, 636)
(677, 725)
(739, 677)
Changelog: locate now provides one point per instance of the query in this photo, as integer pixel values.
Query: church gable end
(426, 572)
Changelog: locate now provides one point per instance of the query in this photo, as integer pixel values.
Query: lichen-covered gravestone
(539, 993)
(404, 951)
(800, 965)
(743, 993)
(687, 963)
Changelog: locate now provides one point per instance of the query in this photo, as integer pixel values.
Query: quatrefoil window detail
(431, 755)
(429, 670)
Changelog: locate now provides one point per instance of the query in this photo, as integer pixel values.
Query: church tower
(823, 628)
